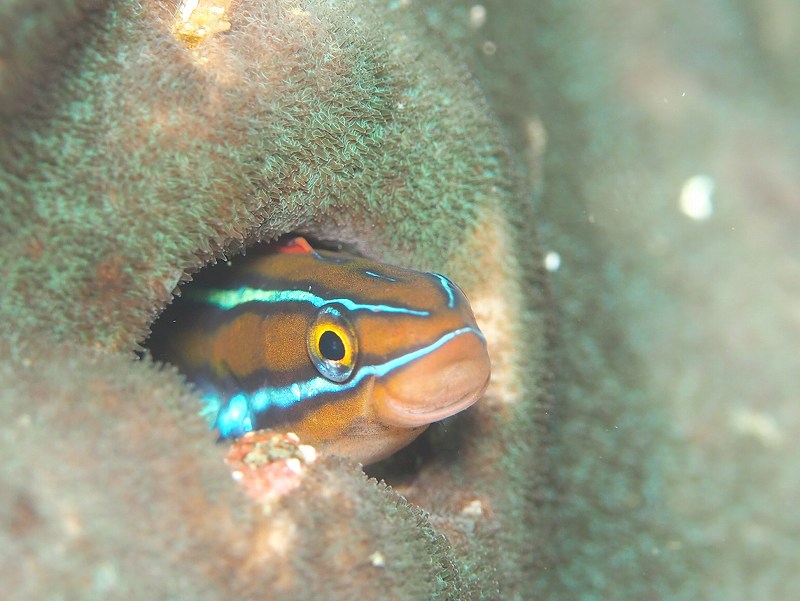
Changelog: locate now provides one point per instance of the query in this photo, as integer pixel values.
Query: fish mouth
(443, 382)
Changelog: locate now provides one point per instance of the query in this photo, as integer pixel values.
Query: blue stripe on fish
(230, 299)
(448, 288)
(236, 417)
(380, 276)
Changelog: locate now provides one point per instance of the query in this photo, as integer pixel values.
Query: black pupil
(331, 346)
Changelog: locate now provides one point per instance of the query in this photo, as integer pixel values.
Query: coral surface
(640, 434)
(155, 144)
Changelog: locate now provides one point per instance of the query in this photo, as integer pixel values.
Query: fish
(354, 356)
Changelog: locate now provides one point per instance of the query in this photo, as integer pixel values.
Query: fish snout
(447, 379)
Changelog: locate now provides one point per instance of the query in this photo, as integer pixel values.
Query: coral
(676, 434)
(33, 38)
(112, 487)
(300, 116)
(148, 155)
(650, 452)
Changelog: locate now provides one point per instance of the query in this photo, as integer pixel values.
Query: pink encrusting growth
(269, 465)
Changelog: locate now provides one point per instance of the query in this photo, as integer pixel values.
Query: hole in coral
(401, 468)
(168, 325)
(441, 443)
(180, 321)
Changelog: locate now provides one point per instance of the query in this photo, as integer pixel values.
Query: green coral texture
(647, 445)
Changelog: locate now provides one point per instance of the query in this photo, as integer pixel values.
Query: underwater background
(615, 183)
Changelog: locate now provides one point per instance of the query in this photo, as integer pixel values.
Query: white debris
(761, 426)
(552, 261)
(477, 16)
(473, 509)
(377, 559)
(695, 199)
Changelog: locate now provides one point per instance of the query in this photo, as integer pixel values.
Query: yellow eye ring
(332, 345)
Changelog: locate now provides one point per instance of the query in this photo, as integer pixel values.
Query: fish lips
(444, 382)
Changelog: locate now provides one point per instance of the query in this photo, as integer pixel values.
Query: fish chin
(372, 443)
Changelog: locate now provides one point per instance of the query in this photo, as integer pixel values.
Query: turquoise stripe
(380, 276)
(237, 415)
(448, 288)
(230, 299)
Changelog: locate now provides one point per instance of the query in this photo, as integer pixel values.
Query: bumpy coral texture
(299, 113)
(128, 160)
(675, 448)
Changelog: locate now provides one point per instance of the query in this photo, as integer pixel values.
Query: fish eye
(332, 345)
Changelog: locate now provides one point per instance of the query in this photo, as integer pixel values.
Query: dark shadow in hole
(400, 468)
(442, 442)
(209, 276)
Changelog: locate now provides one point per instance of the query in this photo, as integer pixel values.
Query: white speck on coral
(187, 8)
(377, 559)
(477, 16)
(308, 452)
(761, 426)
(237, 475)
(294, 465)
(552, 261)
(695, 199)
(473, 509)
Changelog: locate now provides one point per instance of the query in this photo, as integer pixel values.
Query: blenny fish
(354, 356)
